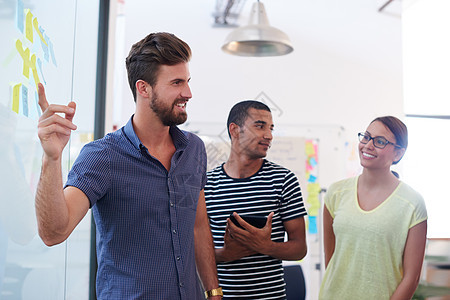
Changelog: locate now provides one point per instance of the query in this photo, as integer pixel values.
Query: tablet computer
(257, 221)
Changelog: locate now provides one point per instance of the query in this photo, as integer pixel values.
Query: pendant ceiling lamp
(258, 38)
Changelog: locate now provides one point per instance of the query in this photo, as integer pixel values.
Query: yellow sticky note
(313, 199)
(16, 98)
(36, 27)
(313, 189)
(309, 149)
(34, 69)
(25, 54)
(28, 25)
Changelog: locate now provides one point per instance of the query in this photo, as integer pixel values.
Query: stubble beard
(166, 114)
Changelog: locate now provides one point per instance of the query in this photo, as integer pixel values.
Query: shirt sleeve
(330, 199)
(91, 172)
(203, 162)
(292, 205)
(420, 212)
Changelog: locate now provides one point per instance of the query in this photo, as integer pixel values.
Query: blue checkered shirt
(144, 214)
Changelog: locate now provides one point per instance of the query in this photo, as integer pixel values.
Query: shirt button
(171, 204)
(174, 231)
(181, 284)
(178, 258)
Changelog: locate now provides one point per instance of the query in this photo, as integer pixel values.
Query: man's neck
(151, 132)
(156, 138)
(242, 167)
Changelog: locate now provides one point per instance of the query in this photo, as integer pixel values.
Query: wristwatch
(214, 292)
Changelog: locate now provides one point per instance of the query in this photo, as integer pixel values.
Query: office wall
(53, 43)
(345, 70)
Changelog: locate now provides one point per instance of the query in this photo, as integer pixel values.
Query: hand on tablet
(253, 238)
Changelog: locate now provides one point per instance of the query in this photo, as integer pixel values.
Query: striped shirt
(145, 214)
(272, 188)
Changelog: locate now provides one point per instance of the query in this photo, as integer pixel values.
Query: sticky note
(313, 189)
(34, 69)
(27, 62)
(50, 46)
(39, 61)
(19, 15)
(25, 54)
(312, 227)
(44, 46)
(309, 149)
(25, 100)
(312, 178)
(36, 27)
(16, 98)
(28, 25)
(313, 210)
(36, 101)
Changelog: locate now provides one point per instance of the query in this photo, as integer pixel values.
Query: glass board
(42, 41)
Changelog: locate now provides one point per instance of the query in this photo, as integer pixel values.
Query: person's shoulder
(276, 167)
(409, 194)
(98, 144)
(193, 140)
(105, 147)
(343, 185)
(191, 136)
(217, 171)
(278, 171)
(110, 139)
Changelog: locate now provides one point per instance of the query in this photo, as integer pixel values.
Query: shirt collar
(179, 137)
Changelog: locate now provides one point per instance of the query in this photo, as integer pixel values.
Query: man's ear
(234, 130)
(143, 88)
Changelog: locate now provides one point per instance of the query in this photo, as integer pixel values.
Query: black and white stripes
(272, 188)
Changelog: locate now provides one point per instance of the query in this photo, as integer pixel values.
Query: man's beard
(166, 114)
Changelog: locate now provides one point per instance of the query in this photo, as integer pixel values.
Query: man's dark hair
(239, 112)
(146, 57)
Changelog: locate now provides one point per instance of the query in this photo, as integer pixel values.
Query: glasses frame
(361, 135)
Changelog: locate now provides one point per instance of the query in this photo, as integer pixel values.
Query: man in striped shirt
(249, 260)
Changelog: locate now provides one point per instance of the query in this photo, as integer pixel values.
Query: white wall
(345, 69)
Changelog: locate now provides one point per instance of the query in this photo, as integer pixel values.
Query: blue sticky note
(19, 15)
(25, 100)
(312, 178)
(312, 161)
(36, 100)
(39, 62)
(43, 45)
(312, 228)
(52, 54)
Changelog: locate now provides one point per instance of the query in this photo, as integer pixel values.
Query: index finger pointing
(43, 103)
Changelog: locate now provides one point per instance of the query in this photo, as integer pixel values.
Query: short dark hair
(239, 112)
(156, 49)
(398, 129)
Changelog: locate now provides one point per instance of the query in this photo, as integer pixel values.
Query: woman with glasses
(374, 224)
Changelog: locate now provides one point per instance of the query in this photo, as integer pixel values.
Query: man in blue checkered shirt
(143, 182)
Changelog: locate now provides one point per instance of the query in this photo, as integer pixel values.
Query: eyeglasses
(378, 141)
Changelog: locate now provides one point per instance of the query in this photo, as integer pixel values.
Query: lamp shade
(258, 38)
